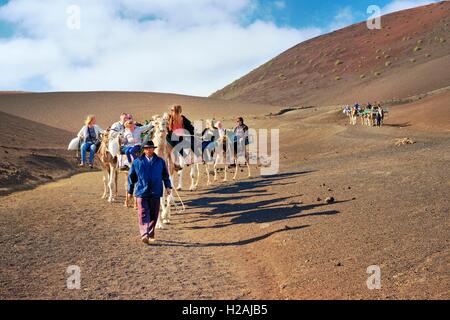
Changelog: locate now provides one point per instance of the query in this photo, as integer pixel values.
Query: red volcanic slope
(408, 56)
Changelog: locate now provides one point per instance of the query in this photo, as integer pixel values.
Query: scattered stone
(329, 189)
(404, 141)
(349, 188)
(329, 200)
(319, 199)
(339, 264)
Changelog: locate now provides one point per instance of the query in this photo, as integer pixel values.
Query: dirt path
(65, 223)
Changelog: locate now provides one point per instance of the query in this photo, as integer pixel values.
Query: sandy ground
(258, 238)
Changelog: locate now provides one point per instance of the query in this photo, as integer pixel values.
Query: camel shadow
(228, 213)
(171, 243)
(397, 125)
(267, 214)
(249, 186)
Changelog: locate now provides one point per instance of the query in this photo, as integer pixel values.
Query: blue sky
(298, 13)
(183, 46)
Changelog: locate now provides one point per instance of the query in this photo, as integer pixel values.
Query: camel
(109, 164)
(163, 151)
(353, 116)
(226, 153)
(176, 162)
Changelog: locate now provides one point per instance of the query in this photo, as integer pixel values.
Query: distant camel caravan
(212, 147)
(371, 116)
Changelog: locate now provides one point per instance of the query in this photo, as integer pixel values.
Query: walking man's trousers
(148, 210)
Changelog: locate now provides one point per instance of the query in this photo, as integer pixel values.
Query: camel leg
(215, 169)
(195, 176)
(105, 186)
(127, 196)
(180, 174)
(247, 160)
(167, 212)
(197, 166)
(208, 178)
(116, 183)
(192, 176)
(111, 186)
(236, 162)
(225, 178)
(159, 224)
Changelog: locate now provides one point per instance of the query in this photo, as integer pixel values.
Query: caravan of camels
(180, 145)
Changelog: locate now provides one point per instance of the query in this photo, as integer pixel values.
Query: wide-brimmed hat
(149, 144)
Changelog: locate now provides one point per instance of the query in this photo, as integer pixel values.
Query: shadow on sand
(221, 206)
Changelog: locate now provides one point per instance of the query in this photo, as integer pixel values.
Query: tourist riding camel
(209, 135)
(119, 126)
(179, 127)
(132, 139)
(89, 136)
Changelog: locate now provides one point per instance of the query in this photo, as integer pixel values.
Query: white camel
(163, 151)
(109, 164)
(226, 153)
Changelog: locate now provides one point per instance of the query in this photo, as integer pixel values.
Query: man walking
(145, 179)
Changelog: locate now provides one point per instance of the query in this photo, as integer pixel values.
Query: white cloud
(343, 18)
(399, 5)
(183, 46)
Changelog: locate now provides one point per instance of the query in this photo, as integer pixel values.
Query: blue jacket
(146, 179)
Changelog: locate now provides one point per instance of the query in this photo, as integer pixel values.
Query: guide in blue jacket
(145, 180)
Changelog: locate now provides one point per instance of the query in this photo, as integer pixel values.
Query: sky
(192, 47)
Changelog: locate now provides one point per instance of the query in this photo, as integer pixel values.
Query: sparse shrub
(337, 78)
(377, 73)
(338, 62)
(296, 62)
(417, 49)
(388, 63)
(442, 40)
(387, 56)
(419, 41)
(378, 57)
(412, 60)
(428, 55)
(362, 76)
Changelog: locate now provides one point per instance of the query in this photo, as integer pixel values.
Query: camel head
(161, 127)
